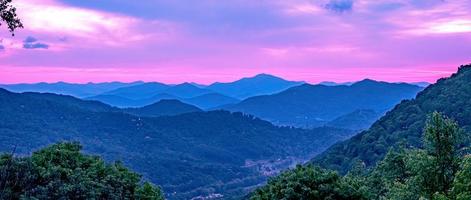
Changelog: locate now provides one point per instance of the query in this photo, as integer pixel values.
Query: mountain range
(403, 125)
(262, 84)
(200, 154)
(205, 97)
(77, 90)
(298, 104)
(189, 155)
(316, 105)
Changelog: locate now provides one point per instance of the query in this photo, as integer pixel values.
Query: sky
(205, 41)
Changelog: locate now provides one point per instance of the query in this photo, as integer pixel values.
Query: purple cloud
(30, 39)
(35, 46)
(339, 5)
(31, 43)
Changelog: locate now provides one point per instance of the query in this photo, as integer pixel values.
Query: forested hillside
(315, 105)
(163, 108)
(189, 155)
(403, 125)
(440, 170)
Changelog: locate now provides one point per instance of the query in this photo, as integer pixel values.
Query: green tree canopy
(60, 171)
(309, 182)
(436, 172)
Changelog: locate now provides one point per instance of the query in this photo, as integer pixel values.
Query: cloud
(30, 39)
(32, 43)
(339, 5)
(2, 47)
(50, 17)
(35, 46)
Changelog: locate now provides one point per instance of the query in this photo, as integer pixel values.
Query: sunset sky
(204, 41)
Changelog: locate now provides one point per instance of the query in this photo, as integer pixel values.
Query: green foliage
(149, 192)
(421, 173)
(9, 16)
(462, 182)
(60, 171)
(435, 172)
(403, 125)
(309, 182)
(442, 141)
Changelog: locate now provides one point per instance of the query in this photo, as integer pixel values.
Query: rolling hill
(356, 120)
(190, 155)
(77, 90)
(163, 108)
(211, 100)
(186, 90)
(140, 91)
(315, 105)
(261, 84)
(404, 124)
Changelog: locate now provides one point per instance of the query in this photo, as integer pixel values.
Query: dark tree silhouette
(8, 16)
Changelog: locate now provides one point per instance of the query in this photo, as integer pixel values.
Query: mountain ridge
(309, 105)
(220, 152)
(404, 123)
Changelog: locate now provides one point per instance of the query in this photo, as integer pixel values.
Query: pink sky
(208, 41)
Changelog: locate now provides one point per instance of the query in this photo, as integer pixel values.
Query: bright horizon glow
(222, 41)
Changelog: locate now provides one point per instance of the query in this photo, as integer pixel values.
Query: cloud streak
(32, 43)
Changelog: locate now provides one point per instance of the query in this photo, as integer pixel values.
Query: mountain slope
(141, 91)
(404, 124)
(149, 93)
(210, 100)
(123, 102)
(356, 120)
(314, 105)
(186, 90)
(114, 100)
(199, 153)
(261, 84)
(163, 108)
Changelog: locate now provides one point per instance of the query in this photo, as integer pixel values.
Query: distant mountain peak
(186, 85)
(266, 76)
(164, 107)
(368, 80)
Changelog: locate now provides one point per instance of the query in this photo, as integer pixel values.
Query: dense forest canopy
(61, 171)
(440, 170)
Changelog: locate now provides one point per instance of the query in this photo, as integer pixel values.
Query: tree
(310, 182)
(60, 171)
(149, 192)
(462, 182)
(404, 174)
(442, 142)
(8, 15)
